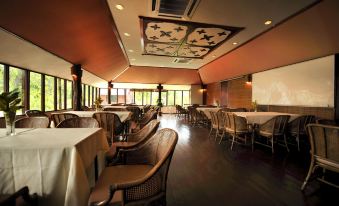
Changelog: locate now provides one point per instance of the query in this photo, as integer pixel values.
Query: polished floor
(204, 172)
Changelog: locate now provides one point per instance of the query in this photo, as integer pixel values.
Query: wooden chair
(19, 198)
(112, 109)
(35, 113)
(142, 179)
(59, 117)
(297, 127)
(79, 122)
(272, 130)
(111, 123)
(327, 122)
(324, 140)
(239, 129)
(32, 122)
(136, 112)
(133, 139)
(149, 116)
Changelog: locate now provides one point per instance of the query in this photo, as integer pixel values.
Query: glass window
(16, 81)
(170, 98)
(49, 93)
(138, 97)
(103, 95)
(34, 91)
(86, 95)
(164, 98)
(90, 90)
(2, 70)
(69, 98)
(121, 95)
(186, 98)
(129, 96)
(178, 97)
(83, 94)
(60, 94)
(114, 96)
(147, 97)
(155, 96)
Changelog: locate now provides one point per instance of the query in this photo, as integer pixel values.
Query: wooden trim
(55, 93)
(65, 93)
(26, 90)
(336, 87)
(43, 90)
(6, 78)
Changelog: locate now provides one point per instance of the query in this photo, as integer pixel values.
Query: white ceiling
(249, 14)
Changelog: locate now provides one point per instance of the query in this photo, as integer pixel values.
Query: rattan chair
(142, 179)
(112, 109)
(79, 122)
(324, 140)
(59, 117)
(133, 139)
(19, 198)
(35, 113)
(149, 116)
(239, 129)
(111, 123)
(327, 122)
(297, 127)
(32, 122)
(272, 130)
(214, 124)
(136, 112)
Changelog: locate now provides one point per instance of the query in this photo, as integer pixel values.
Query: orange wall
(213, 93)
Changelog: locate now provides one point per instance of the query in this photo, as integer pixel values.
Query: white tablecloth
(262, 117)
(123, 115)
(53, 163)
(207, 110)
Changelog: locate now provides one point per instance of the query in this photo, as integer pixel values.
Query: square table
(52, 162)
(262, 117)
(123, 115)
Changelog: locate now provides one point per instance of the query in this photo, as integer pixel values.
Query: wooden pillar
(77, 90)
(110, 86)
(159, 87)
(204, 93)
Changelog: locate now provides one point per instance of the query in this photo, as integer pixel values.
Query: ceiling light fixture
(133, 59)
(213, 56)
(131, 50)
(119, 6)
(127, 34)
(235, 43)
(268, 22)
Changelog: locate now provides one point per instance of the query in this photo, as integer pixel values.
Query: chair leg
(298, 143)
(252, 138)
(272, 143)
(210, 132)
(288, 150)
(232, 141)
(310, 170)
(222, 136)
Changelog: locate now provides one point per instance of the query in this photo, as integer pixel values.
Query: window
(49, 93)
(170, 98)
(147, 97)
(121, 95)
(138, 97)
(103, 95)
(69, 89)
(16, 81)
(129, 96)
(90, 90)
(178, 97)
(60, 93)
(155, 96)
(186, 98)
(114, 96)
(34, 91)
(86, 95)
(2, 71)
(164, 98)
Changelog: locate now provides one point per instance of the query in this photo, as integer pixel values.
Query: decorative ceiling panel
(164, 37)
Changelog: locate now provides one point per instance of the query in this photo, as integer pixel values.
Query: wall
(196, 94)
(213, 93)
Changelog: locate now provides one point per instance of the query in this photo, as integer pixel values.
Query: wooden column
(159, 87)
(110, 86)
(336, 87)
(204, 94)
(77, 89)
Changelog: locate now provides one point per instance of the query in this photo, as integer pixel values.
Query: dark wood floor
(203, 172)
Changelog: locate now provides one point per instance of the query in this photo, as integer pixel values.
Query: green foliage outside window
(60, 93)
(35, 91)
(69, 94)
(16, 81)
(138, 97)
(2, 69)
(49, 93)
(170, 98)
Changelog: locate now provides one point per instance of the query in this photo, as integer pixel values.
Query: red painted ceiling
(311, 34)
(159, 75)
(79, 31)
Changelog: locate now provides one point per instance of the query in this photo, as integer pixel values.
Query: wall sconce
(110, 85)
(249, 79)
(76, 71)
(160, 87)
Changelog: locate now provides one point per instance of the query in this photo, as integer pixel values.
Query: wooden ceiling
(83, 32)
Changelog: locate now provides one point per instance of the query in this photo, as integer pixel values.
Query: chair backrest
(148, 117)
(298, 125)
(20, 197)
(135, 112)
(32, 122)
(79, 122)
(220, 118)
(114, 109)
(237, 109)
(240, 124)
(110, 122)
(146, 108)
(276, 125)
(35, 113)
(145, 133)
(324, 140)
(157, 151)
(327, 122)
(59, 117)
(227, 121)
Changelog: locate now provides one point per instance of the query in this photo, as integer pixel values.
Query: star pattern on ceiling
(173, 38)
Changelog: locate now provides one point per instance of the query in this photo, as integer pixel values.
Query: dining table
(262, 117)
(55, 163)
(123, 115)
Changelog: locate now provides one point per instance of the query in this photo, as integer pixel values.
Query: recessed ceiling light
(133, 59)
(213, 56)
(268, 22)
(131, 50)
(235, 43)
(119, 6)
(127, 34)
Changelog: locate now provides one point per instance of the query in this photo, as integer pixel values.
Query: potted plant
(9, 103)
(159, 104)
(254, 105)
(97, 103)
